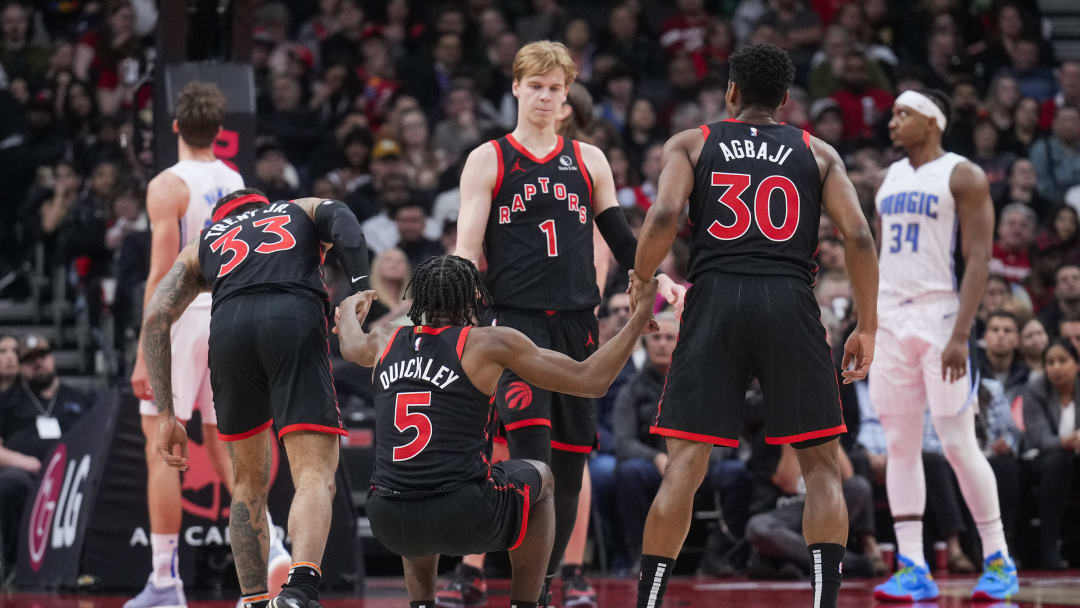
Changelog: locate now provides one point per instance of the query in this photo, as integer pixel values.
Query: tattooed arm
(171, 298)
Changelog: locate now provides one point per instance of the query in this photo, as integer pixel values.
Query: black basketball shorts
(572, 420)
(738, 326)
(270, 365)
(480, 517)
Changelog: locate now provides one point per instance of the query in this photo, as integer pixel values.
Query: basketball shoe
(998, 580)
(911, 583)
(152, 596)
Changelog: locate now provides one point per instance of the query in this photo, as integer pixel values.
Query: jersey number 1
(405, 420)
(737, 183)
(240, 249)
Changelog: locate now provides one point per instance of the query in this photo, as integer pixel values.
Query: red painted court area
(1036, 591)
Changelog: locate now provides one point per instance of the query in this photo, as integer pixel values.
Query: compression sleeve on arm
(617, 234)
(337, 224)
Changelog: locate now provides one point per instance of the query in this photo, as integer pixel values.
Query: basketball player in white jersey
(926, 202)
(179, 202)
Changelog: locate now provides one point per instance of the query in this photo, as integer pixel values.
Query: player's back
(207, 182)
(918, 229)
(273, 248)
(756, 201)
(432, 425)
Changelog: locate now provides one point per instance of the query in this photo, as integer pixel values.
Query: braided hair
(446, 287)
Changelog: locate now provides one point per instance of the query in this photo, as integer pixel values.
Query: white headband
(923, 105)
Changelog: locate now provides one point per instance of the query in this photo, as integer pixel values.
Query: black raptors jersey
(756, 201)
(539, 234)
(275, 247)
(432, 426)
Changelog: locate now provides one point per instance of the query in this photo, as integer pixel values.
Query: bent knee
(547, 479)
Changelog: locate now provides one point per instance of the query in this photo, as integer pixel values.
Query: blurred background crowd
(377, 103)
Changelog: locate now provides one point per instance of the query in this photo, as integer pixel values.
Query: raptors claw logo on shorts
(518, 395)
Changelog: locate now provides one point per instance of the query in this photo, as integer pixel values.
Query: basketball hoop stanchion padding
(236, 142)
(102, 513)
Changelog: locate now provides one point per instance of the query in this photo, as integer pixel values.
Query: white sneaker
(152, 596)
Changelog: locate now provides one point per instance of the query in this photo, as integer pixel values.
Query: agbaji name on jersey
(544, 186)
(747, 148)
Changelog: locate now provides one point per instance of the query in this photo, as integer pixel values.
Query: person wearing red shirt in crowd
(109, 57)
(684, 32)
(860, 103)
(1016, 234)
(1068, 77)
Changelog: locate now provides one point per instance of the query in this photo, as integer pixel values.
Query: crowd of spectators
(377, 103)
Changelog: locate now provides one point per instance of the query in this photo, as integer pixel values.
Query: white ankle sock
(909, 537)
(164, 548)
(992, 535)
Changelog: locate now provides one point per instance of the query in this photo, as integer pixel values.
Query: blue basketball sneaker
(911, 583)
(998, 580)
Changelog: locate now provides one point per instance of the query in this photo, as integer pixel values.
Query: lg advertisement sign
(89, 512)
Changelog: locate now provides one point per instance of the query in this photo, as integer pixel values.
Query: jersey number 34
(735, 184)
(239, 248)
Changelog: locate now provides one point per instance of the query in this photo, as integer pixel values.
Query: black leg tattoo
(249, 542)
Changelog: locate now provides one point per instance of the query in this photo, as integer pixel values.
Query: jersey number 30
(405, 420)
(737, 183)
(240, 249)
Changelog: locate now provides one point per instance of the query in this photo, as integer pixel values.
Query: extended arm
(338, 226)
(860, 256)
(662, 220)
(478, 179)
(357, 346)
(975, 212)
(612, 224)
(171, 298)
(555, 371)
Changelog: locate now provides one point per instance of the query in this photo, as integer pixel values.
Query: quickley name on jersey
(918, 229)
(418, 368)
(756, 201)
(538, 241)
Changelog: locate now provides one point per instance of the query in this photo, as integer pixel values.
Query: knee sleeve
(567, 468)
(973, 471)
(904, 478)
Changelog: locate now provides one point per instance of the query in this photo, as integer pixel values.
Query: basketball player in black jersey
(756, 191)
(269, 365)
(434, 490)
(528, 203)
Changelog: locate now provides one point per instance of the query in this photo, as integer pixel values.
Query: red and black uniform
(434, 489)
(269, 350)
(754, 214)
(539, 249)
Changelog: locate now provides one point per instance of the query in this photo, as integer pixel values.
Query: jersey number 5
(737, 183)
(405, 420)
(240, 249)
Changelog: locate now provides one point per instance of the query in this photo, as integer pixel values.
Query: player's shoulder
(484, 151)
(966, 174)
(166, 189)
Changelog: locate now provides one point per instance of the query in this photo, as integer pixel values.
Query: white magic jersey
(918, 230)
(206, 182)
